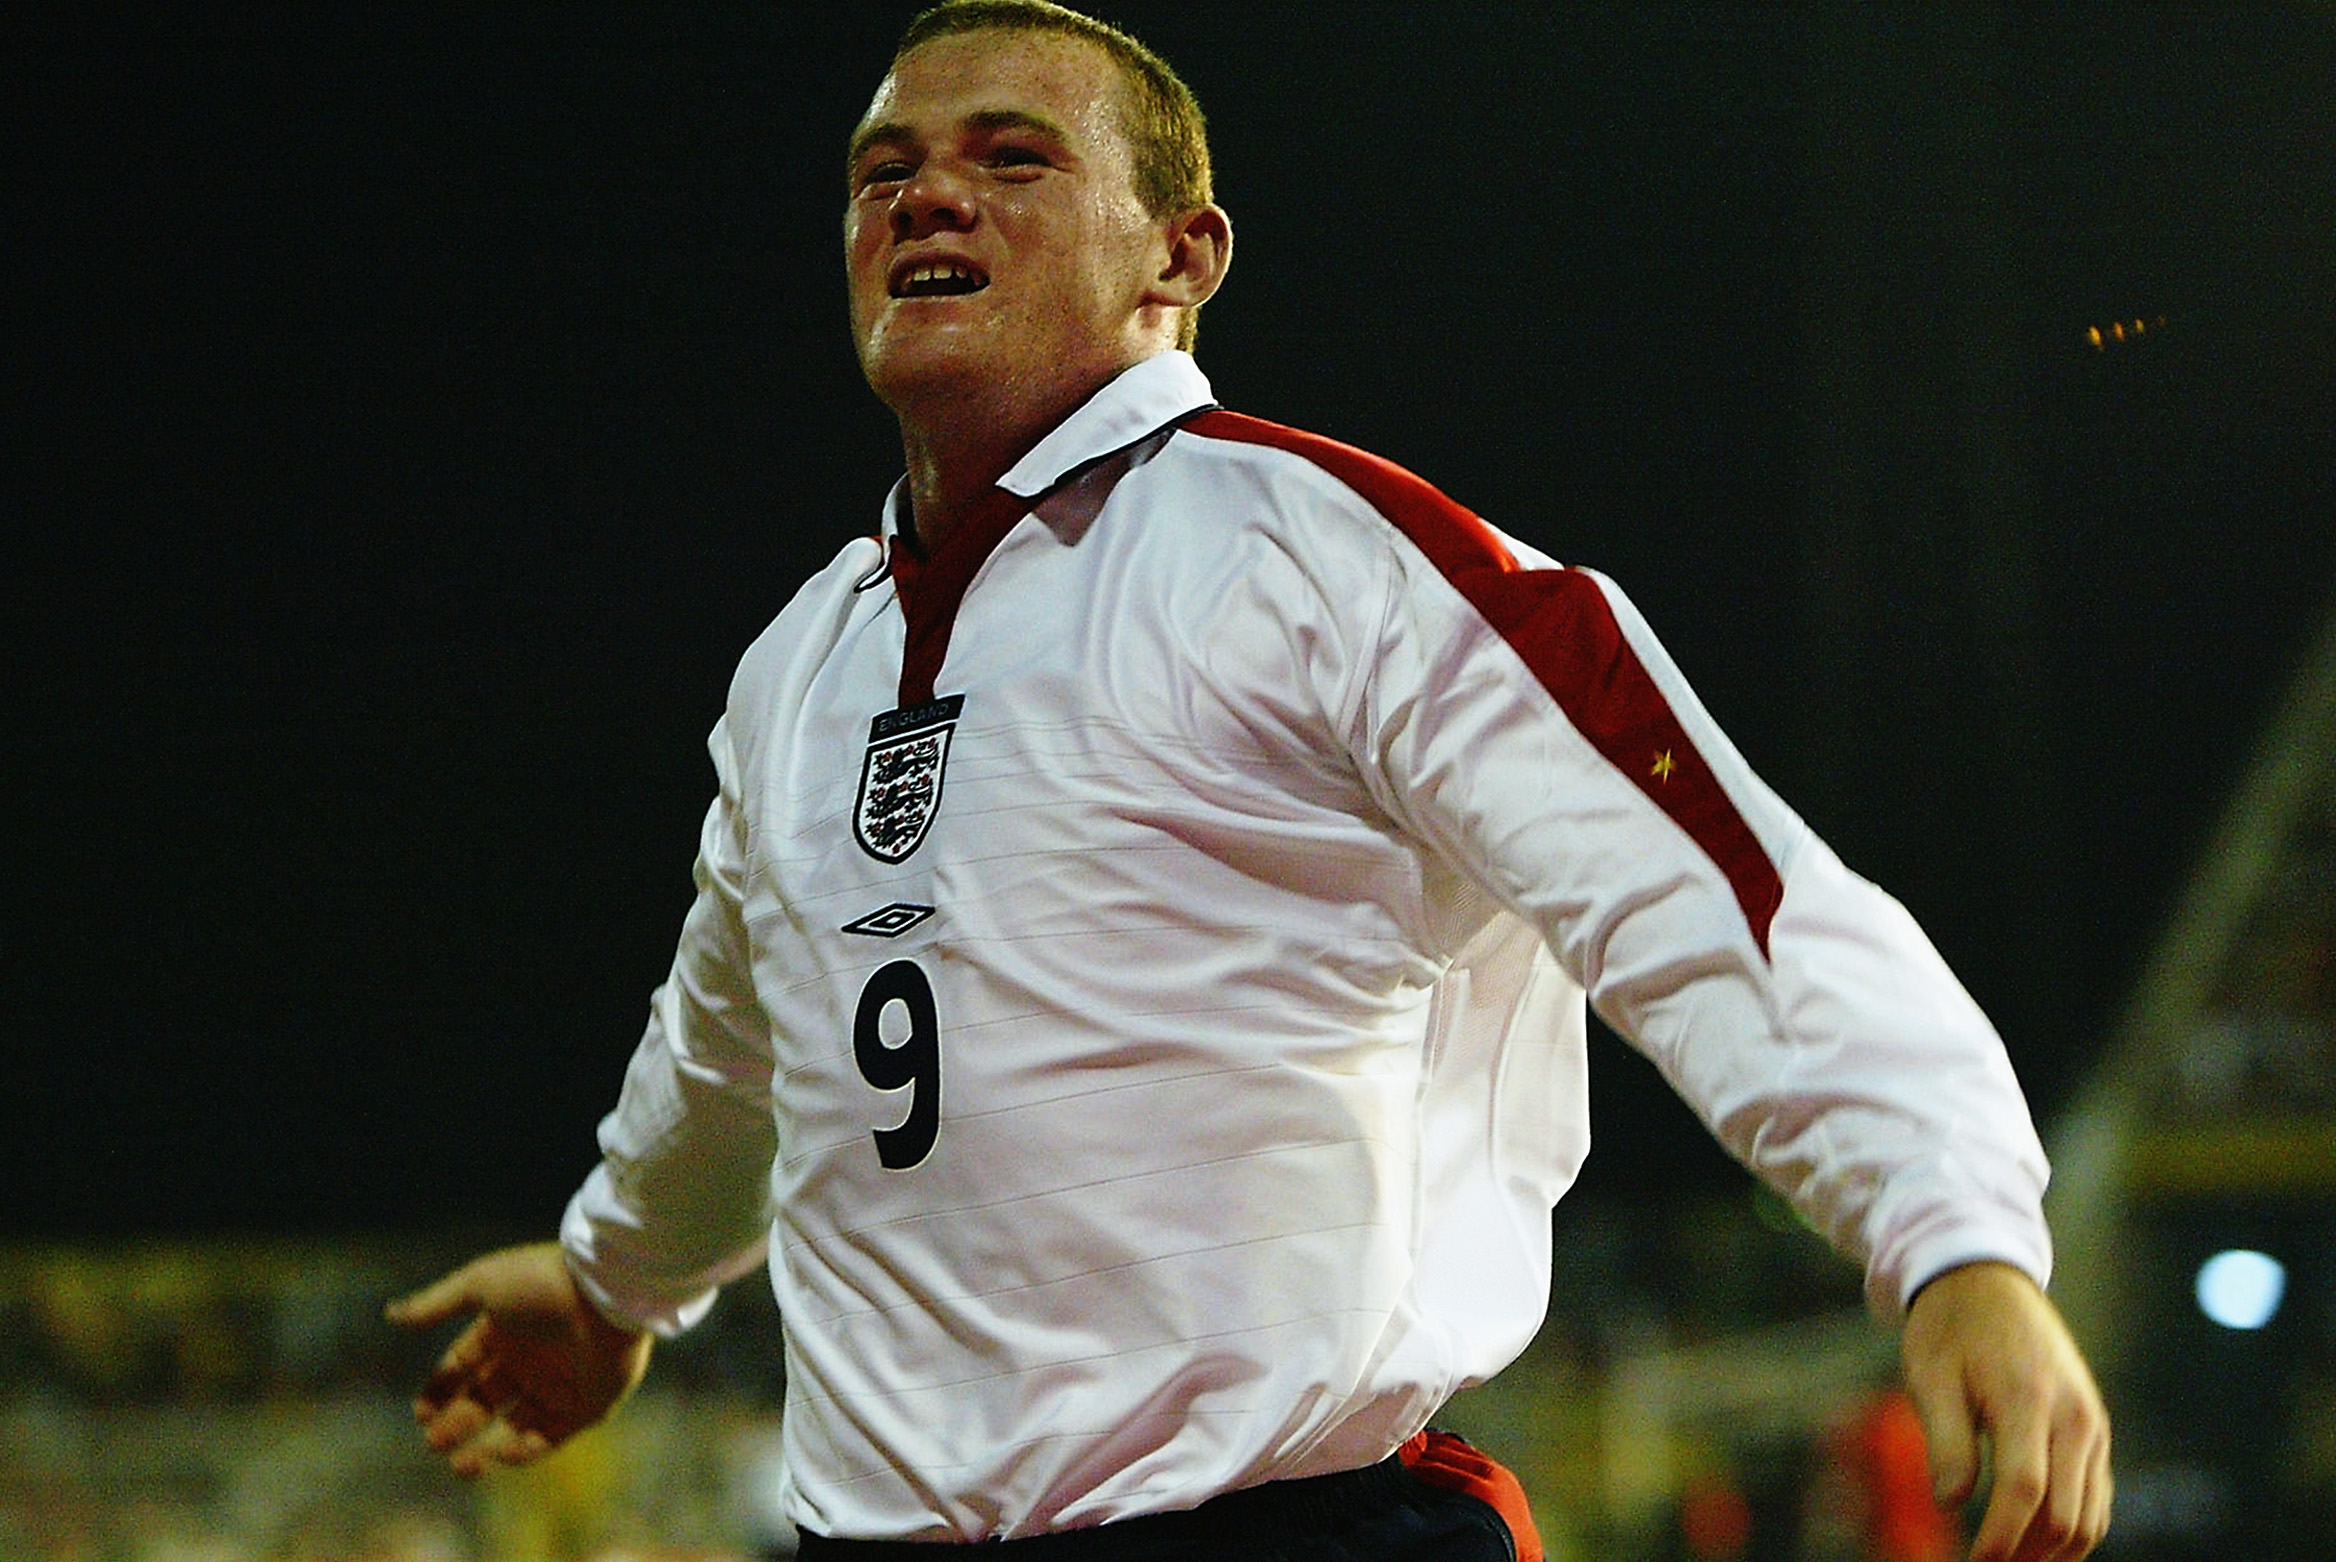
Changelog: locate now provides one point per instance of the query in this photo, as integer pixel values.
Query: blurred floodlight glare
(2241, 1289)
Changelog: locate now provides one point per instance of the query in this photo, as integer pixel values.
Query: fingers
(517, 1282)
(473, 1413)
(2018, 1519)
(2051, 1518)
(444, 1298)
(448, 1424)
(1951, 1435)
(1988, 1356)
(534, 1366)
(2051, 1494)
(2100, 1490)
(471, 1439)
(461, 1369)
(499, 1444)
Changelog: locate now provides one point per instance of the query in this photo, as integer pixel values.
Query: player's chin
(910, 358)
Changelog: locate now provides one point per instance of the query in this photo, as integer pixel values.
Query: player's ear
(1200, 248)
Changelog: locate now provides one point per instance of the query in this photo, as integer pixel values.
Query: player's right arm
(560, 1332)
(679, 1204)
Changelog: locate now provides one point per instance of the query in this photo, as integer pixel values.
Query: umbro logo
(890, 922)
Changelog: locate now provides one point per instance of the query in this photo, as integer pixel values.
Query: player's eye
(891, 170)
(1017, 157)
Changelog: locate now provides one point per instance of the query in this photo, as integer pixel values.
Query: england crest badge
(900, 780)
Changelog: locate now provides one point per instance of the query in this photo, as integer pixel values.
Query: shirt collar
(1141, 401)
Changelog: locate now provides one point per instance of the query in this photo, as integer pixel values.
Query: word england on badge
(900, 779)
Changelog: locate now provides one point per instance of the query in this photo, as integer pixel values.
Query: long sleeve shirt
(1135, 996)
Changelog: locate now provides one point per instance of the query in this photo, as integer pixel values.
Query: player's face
(994, 238)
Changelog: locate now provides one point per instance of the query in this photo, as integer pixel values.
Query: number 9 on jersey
(911, 1063)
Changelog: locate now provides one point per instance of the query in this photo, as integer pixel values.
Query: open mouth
(938, 279)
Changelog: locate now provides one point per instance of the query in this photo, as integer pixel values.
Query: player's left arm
(1797, 1007)
(1988, 1360)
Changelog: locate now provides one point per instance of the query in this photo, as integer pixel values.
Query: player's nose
(937, 198)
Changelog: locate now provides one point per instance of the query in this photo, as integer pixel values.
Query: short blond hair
(1167, 137)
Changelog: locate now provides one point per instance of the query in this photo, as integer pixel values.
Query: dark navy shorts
(1438, 1500)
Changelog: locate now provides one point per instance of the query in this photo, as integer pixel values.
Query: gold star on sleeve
(1664, 765)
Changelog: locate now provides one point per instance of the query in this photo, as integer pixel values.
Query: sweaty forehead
(993, 78)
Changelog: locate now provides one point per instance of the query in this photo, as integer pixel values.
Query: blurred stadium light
(2240, 1288)
(2197, 1176)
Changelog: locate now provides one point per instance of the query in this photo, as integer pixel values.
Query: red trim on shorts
(1448, 1463)
(1561, 624)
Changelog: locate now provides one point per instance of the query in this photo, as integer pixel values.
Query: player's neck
(943, 488)
(954, 462)
(962, 433)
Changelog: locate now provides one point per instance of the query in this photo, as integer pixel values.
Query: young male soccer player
(1134, 999)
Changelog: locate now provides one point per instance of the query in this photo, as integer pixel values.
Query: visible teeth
(941, 277)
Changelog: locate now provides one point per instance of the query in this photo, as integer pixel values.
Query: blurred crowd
(225, 1401)
(234, 1401)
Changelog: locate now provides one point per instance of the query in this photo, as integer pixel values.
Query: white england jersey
(1135, 994)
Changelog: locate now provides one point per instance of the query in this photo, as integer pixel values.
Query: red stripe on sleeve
(1560, 623)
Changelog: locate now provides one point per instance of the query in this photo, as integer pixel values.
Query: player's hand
(1987, 1356)
(537, 1365)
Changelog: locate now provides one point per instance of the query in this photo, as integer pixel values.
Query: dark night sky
(412, 413)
